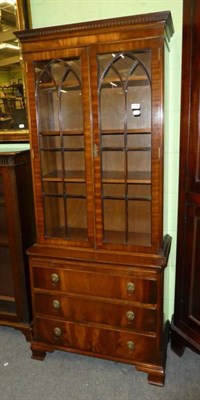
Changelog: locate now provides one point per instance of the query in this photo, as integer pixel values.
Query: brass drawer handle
(57, 331)
(54, 278)
(130, 345)
(56, 304)
(130, 315)
(130, 287)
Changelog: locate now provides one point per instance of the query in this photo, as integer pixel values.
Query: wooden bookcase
(17, 233)
(95, 95)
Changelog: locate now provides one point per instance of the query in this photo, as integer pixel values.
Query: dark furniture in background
(185, 328)
(17, 233)
(96, 121)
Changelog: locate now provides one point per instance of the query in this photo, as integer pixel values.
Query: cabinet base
(157, 380)
(155, 373)
(38, 354)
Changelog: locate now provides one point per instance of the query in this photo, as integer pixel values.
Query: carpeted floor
(65, 376)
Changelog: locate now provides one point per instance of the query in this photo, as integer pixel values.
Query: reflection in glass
(13, 115)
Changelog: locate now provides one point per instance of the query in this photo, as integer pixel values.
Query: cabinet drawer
(101, 312)
(95, 284)
(99, 341)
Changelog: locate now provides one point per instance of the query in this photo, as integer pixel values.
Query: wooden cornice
(162, 18)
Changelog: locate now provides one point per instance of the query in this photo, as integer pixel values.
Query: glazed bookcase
(95, 95)
(17, 234)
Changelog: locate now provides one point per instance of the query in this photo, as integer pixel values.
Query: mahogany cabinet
(95, 93)
(186, 320)
(17, 233)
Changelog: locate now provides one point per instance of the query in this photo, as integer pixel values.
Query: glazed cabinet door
(7, 296)
(186, 321)
(14, 239)
(128, 144)
(62, 148)
(99, 129)
(190, 307)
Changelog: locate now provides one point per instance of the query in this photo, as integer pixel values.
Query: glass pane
(73, 142)
(3, 221)
(139, 191)
(139, 101)
(74, 161)
(59, 95)
(195, 297)
(125, 91)
(112, 141)
(112, 108)
(139, 140)
(113, 161)
(139, 161)
(54, 216)
(53, 188)
(8, 306)
(114, 221)
(62, 147)
(76, 219)
(114, 190)
(51, 162)
(6, 281)
(76, 213)
(139, 222)
(125, 146)
(47, 104)
(71, 110)
(75, 189)
(50, 142)
(64, 217)
(71, 99)
(1, 188)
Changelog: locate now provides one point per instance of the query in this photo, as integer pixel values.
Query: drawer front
(91, 310)
(111, 343)
(95, 284)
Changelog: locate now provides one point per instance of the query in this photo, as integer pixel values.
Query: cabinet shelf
(67, 132)
(109, 236)
(71, 132)
(134, 80)
(122, 148)
(69, 176)
(129, 131)
(65, 196)
(72, 233)
(140, 239)
(65, 149)
(107, 177)
(135, 198)
(50, 86)
(133, 177)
